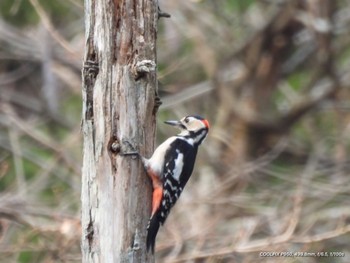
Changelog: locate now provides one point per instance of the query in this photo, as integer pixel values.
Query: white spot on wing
(168, 182)
(178, 166)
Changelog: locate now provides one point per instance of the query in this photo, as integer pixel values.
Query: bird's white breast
(156, 162)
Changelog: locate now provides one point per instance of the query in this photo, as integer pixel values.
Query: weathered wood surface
(119, 102)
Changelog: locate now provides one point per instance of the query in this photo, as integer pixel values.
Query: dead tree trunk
(119, 103)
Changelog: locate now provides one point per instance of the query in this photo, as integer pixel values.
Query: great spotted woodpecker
(170, 167)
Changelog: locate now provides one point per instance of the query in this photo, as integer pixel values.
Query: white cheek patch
(195, 125)
(178, 166)
(198, 138)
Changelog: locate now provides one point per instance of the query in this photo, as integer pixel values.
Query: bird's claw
(163, 14)
(132, 152)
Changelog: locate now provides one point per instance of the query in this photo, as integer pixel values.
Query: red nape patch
(206, 123)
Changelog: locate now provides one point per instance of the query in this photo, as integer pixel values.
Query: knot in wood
(115, 147)
(91, 68)
(143, 67)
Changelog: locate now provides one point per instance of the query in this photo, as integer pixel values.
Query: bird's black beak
(176, 124)
(173, 123)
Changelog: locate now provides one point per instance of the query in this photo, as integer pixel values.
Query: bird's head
(191, 124)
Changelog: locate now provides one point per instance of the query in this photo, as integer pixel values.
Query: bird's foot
(162, 14)
(129, 150)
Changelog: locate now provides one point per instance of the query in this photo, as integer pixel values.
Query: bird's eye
(187, 120)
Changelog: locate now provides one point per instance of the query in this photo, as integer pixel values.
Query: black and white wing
(177, 169)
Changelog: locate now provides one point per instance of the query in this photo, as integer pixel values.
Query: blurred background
(271, 76)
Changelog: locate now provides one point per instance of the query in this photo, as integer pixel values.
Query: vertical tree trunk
(119, 103)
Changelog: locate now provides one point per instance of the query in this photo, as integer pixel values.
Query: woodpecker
(170, 167)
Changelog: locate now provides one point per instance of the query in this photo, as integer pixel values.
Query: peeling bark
(119, 103)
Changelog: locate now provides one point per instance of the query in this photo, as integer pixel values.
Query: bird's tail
(152, 230)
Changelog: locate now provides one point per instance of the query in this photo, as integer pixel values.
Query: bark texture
(119, 103)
